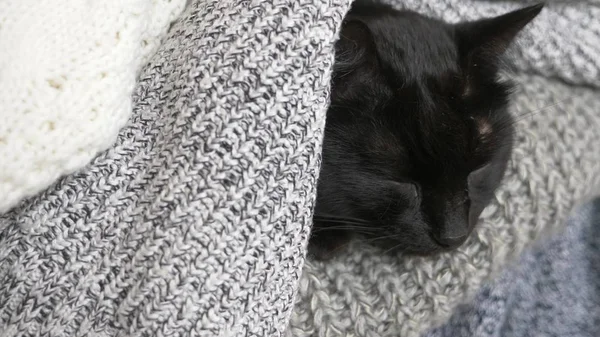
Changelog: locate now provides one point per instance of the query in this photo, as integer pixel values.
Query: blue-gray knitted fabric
(552, 291)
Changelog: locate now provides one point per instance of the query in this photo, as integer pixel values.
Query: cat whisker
(529, 113)
(383, 237)
(343, 226)
(341, 218)
(386, 209)
(393, 248)
(369, 240)
(348, 108)
(361, 230)
(343, 222)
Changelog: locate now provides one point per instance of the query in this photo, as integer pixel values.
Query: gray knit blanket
(195, 223)
(552, 291)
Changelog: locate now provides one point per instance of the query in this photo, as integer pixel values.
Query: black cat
(418, 134)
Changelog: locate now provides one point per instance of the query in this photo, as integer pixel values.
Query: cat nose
(450, 241)
(452, 235)
(452, 226)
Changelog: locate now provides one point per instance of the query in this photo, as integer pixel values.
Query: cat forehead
(413, 45)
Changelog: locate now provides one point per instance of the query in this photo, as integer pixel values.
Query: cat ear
(494, 35)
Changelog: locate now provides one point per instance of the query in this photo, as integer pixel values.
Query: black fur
(418, 134)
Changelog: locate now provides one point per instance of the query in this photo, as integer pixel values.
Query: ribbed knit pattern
(195, 222)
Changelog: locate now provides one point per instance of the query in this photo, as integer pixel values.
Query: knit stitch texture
(67, 73)
(196, 222)
(553, 291)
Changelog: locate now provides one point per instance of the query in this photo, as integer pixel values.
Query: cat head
(418, 134)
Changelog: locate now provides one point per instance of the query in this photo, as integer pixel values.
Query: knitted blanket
(553, 291)
(67, 72)
(195, 222)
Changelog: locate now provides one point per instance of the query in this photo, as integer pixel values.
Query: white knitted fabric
(67, 72)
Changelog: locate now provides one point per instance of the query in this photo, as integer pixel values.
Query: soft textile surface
(554, 291)
(364, 293)
(369, 294)
(196, 221)
(67, 72)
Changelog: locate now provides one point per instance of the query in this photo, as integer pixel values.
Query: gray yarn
(196, 221)
(553, 291)
(555, 164)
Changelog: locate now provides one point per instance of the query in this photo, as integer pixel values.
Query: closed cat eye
(407, 189)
